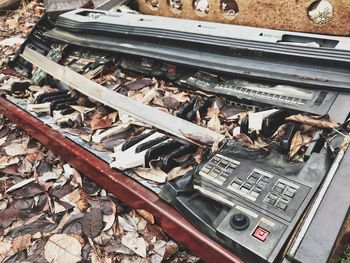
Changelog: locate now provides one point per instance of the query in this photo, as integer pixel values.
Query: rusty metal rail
(122, 187)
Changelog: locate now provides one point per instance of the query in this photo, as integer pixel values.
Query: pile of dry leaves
(49, 212)
(15, 27)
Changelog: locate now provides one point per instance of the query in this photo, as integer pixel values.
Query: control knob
(239, 221)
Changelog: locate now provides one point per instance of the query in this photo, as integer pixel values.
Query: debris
(12, 41)
(135, 243)
(62, 248)
(315, 121)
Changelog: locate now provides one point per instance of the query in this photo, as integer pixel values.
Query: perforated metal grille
(320, 12)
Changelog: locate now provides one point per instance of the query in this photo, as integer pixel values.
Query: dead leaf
(25, 168)
(92, 223)
(101, 123)
(110, 218)
(62, 248)
(135, 243)
(21, 242)
(177, 172)
(320, 122)
(280, 132)
(5, 249)
(146, 215)
(213, 111)
(6, 161)
(171, 103)
(345, 144)
(155, 175)
(181, 96)
(137, 84)
(20, 184)
(296, 144)
(16, 149)
(13, 23)
(214, 124)
(243, 138)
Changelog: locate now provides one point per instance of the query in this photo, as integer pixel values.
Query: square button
(245, 190)
(281, 205)
(262, 184)
(254, 194)
(213, 174)
(270, 201)
(206, 169)
(289, 193)
(215, 160)
(278, 189)
(248, 185)
(261, 233)
(224, 162)
(238, 180)
(221, 178)
(252, 179)
(235, 185)
(281, 185)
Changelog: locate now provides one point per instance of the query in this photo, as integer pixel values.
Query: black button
(239, 221)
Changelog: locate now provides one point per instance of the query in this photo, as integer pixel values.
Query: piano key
(160, 150)
(169, 161)
(136, 140)
(129, 158)
(146, 145)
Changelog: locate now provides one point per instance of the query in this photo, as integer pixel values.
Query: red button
(261, 233)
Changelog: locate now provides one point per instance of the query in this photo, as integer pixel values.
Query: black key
(61, 104)
(149, 144)
(55, 97)
(135, 140)
(292, 128)
(169, 161)
(40, 98)
(186, 108)
(160, 150)
(271, 123)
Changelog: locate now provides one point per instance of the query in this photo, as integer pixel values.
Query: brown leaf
(92, 223)
(280, 132)
(296, 144)
(214, 111)
(320, 122)
(101, 123)
(137, 84)
(171, 103)
(147, 216)
(155, 175)
(21, 242)
(243, 138)
(6, 161)
(214, 123)
(62, 248)
(181, 96)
